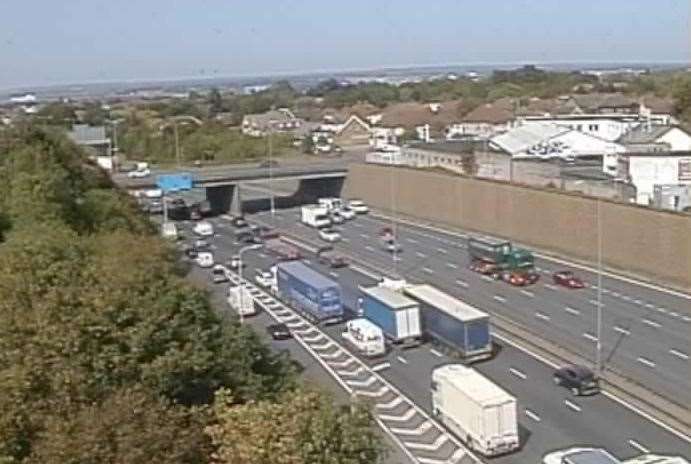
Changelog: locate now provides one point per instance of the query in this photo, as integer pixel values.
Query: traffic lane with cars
(530, 381)
(630, 344)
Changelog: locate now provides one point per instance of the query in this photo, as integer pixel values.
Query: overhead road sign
(174, 182)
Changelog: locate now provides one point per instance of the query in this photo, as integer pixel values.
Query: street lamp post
(271, 190)
(242, 280)
(598, 354)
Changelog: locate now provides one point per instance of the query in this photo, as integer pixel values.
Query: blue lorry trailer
(317, 297)
(453, 323)
(397, 315)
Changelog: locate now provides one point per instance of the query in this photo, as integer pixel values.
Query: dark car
(579, 379)
(268, 164)
(195, 214)
(155, 207)
(266, 232)
(331, 258)
(567, 279)
(190, 251)
(279, 331)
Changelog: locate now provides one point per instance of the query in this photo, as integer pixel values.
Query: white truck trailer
(315, 216)
(241, 300)
(480, 413)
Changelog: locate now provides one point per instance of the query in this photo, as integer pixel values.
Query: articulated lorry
(397, 315)
(451, 322)
(317, 297)
(475, 409)
(499, 258)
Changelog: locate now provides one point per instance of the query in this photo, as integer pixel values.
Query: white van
(169, 230)
(205, 259)
(241, 300)
(204, 229)
(365, 336)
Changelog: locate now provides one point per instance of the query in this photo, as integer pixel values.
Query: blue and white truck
(452, 323)
(317, 297)
(397, 315)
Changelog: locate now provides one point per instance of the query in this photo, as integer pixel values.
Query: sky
(75, 41)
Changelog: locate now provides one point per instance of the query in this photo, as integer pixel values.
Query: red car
(520, 279)
(483, 267)
(567, 279)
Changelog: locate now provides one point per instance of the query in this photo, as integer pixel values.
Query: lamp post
(242, 280)
(270, 167)
(598, 354)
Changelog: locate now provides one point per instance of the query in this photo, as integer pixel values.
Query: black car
(579, 379)
(190, 251)
(279, 331)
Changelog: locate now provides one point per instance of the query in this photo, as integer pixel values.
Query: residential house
(606, 103)
(427, 121)
(657, 110)
(281, 120)
(354, 132)
(646, 170)
(674, 197)
(483, 122)
(606, 127)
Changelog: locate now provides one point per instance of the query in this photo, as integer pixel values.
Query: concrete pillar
(236, 204)
(220, 198)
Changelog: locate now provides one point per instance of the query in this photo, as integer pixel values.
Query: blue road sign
(174, 182)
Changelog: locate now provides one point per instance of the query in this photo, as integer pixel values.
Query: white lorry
(479, 412)
(365, 336)
(241, 300)
(332, 204)
(315, 216)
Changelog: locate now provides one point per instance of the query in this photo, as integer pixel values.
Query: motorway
(550, 418)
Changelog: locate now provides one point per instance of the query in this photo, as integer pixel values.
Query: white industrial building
(649, 169)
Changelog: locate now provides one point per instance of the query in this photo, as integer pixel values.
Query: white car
(139, 173)
(205, 259)
(578, 455)
(358, 206)
(204, 229)
(219, 274)
(346, 213)
(329, 235)
(336, 218)
(264, 279)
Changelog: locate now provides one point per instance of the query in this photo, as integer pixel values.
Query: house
(657, 110)
(606, 103)
(425, 120)
(483, 122)
(281, 120)
(354, 132)
(675, 197)
(95, 141)
(645, 170)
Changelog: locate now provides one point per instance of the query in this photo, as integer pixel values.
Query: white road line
(487, 278)
(686, 318)
(626, 298)
(381, 367)
(375, 394)
(589, 336)
(362, 383)
(345, 239)
(435, 353)
(402, 359)
(365, 272)
(638, 302)
(662, 310)
(528, 293)
(616, 294)
(500, 299)
(649, 305)
(452, 265)
(442, 251)
(646, 362)
(570, 310)
(679, 354)
(411, 240)
(673, 314)
(621, 330)
(391, 404)
(544, 317)
(364, 235)
(400, 418)
(550, 286)
(438, 443)
(420, 255)
(572, 405)
(651, 323)
(262, 255)
(518, 373)
(462, 283)
(333, 274)
(604, 290)
(428, 270)
(595, 303)
(369, 248)
(532, 415)
(419, 430)
(639, 447)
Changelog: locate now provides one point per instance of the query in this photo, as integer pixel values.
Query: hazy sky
(58, 41)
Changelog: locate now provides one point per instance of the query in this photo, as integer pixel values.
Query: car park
(203, 228)
(567, 279)
(358, 207)
(279, 331)
(219, 274)
(205, 259)
(579, 379)
(329, 235)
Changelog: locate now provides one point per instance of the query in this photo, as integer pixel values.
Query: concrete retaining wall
(635, 240)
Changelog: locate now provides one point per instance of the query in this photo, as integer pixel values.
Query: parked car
(201, 245)
(264, 279)
(266, 232)
(346, 213)
(567, 279)
(581, 455)
(195, 214)
(218, 274)
(579, 379)
(358, 206)
(155, 207)
(190, 251)
(205, 259)
(279, 331)
(329, 235)
(391, 244)
(204, 229)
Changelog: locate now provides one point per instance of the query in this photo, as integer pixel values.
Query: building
(354, 132)
(606, 103)
(95, 141)
(657, 110)
(673, 197)
(606, 127)
(259, 125)
(483, 122)
(645, 170)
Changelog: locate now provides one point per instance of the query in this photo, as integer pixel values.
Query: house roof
(644, 134)
(547, 107)
(272, 116)
(592, 103)
(493, 113)
(412, 114)
(524, 137)
(355, 119)
(658, 105)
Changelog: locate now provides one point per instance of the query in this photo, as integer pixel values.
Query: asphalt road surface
(549, 417)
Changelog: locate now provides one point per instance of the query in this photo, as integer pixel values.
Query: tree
(215, 101)
(302, 427)
(308, 144)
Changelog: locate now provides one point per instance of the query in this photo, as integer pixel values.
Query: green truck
(500, 259)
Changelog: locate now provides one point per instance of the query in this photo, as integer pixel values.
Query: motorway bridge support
(221, 198)
(310, 190)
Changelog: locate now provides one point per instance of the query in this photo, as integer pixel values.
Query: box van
(241, 300)
(169, 230)
(366, 337)
(331, 204)
(315, 216)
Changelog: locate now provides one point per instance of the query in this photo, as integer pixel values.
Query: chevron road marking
(352, 373)
(438, 443)
(323, 346)
(458, 454)
(336, 354)
(375, 394)
(362, 383)
(419, 430)
(345, 363)
(391, 404)
(402, 418)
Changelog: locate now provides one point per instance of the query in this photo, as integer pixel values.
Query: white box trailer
(366, 337)
(479, 412)
(241, 300)
(315, 216)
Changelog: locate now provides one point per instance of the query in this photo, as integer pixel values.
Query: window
(593, 127)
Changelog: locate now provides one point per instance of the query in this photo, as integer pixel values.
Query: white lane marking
(333, 274)
(419, 430)
(436, 353)
(500, 299)
(438, 443)
(621, 330)
(462, 283)
(679, 354)
(532, 415)
(542, 316)
(572, 405)
(616, 294)
(604, 290)
(673, 314)
(411, 240)
(518, 373)
(626, 298)
(371, 380)
(649, 305)
(402, 359)
(570, 310)
(662, 310)
(365, 272)
(420, 254)
(442, 251)
(646, 362)
(651, 323)
(639, 447)
(528, 293)
(595, 303)
(638, 302)
(452, 265)
(391, 404)
(345, 240)
(374, 394)
(686, 318)
(364, 235)
(400, 418)
(589, 336)
(369, 248)
(381, 367)
(487, 278)
(550, 286)
(428, 270)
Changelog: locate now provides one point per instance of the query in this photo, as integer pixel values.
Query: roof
(524, 137)
(594, 102)
(591, 456)
(445, 302)
(391, 298)
(88, 135)
(547, 107)
(412, 114)
(272, 116)
(306, 273)
(472, 383)
(658, 105)
(492, 113)
(644, 133)
(355, 119)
